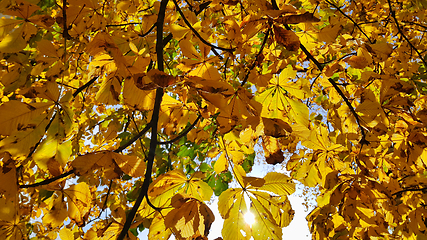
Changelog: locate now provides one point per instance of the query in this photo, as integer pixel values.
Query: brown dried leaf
(297, 18)
(286, 38)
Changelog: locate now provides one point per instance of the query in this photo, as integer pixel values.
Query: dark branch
(65, 33)
(153, 125)
(393, 15)
(197, 34)
(256, 58)
(47, 181)
(345, 15)
(183, 133)
(334, 84)
(134, 139)
(86, 85)
(409, 190)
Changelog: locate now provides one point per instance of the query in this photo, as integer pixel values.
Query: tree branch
(393, 15)
(134, 139)
(409, 190)
(183, 133)
(334, 84)
(256, 58)
(197, 34)
(47, 181)
(153, 125)
(80, 89)
(345, 15)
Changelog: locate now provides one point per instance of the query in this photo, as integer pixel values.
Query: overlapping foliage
(117, 116)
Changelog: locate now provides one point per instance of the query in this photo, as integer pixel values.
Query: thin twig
(134, 139)
(84, 86)
(393, 15)
(47, 181)
(334, 84)
(183, 133)
(409, 190)
(197, 34)
(256, 58)
(345, 15)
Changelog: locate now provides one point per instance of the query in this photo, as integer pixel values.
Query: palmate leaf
(169, 184)
(112, 163)
(269, 204)
(19, 115)
(79, 200)
(232, 206)
(189, 218)
(276, 104)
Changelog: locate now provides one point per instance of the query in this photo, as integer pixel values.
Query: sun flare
(249, 218)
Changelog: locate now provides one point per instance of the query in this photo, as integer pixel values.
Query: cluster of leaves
(129, 114)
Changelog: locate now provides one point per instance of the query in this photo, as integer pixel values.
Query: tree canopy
(123, 115)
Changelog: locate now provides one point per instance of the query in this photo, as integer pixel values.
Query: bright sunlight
(249, 218)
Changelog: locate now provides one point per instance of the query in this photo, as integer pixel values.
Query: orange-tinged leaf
(104, 159)
(297, 18)
(9, 187)
(160, 78)
(131, 165)
(190, 218)
(47, 48)
(358, 62)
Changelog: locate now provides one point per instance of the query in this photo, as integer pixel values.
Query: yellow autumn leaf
(6, 25)
(19, 115)
(20, 143)
(137, 98)
(66, 234)
(110, 91)
(79, 201)
(14, 42)
(131, 165)
(157, 229)
(232, 206)
(278, 183)
(221, 164)
(58, 212)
